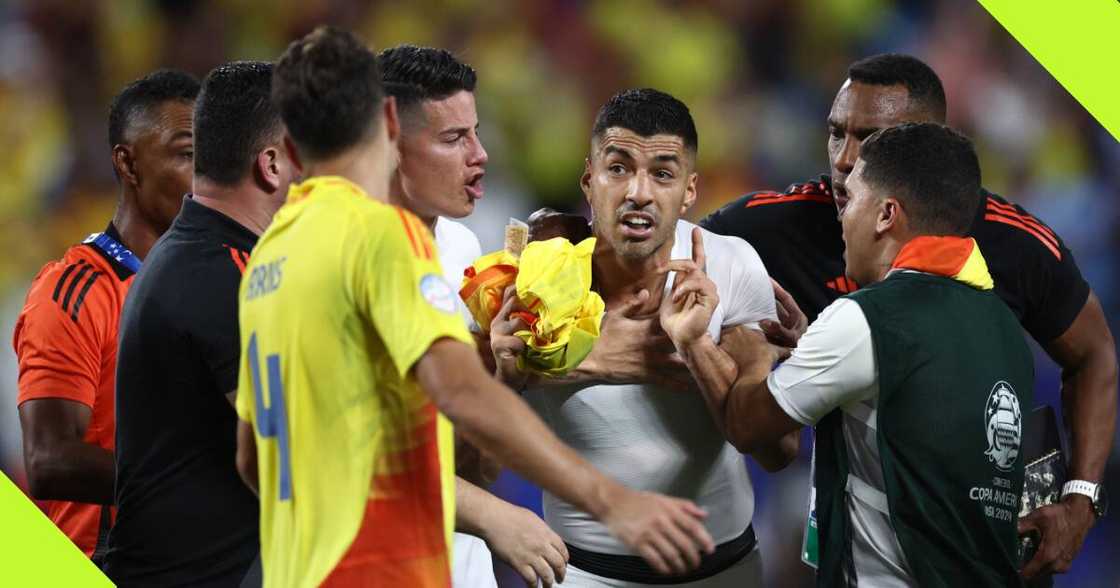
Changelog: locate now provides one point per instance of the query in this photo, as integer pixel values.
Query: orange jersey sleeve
(61, 334)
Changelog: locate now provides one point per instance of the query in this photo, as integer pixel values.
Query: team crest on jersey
(1004, 424)
(437, 293)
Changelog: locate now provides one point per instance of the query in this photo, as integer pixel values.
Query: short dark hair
(327, 87)
(414, 74)
(931, 169)
(150, 91)
(233, 120)
(647, 112)
(892, 69)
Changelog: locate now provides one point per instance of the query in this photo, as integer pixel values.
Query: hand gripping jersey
(797, 234)
(661, 440)
(341, 297)
(66, 342)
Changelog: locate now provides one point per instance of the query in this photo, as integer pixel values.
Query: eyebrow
(456, 130)
(864, 131)
(182, 135)
(668, 157)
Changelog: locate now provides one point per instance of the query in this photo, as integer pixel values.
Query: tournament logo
(437, 293)
(1004, 425)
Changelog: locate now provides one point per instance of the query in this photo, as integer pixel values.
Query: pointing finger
(698, 255)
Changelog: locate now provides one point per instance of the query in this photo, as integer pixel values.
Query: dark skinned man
(66, 335)
(797, 234)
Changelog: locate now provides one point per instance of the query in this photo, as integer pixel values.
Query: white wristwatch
(1094, 491)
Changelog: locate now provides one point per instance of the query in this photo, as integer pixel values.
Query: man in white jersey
(639, 180)
(439, 177)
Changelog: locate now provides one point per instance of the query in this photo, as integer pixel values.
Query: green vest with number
(955, 378)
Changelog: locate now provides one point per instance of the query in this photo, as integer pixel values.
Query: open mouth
(636, 225)
(474, 187)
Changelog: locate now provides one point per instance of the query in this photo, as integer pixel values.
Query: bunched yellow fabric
(553, 280)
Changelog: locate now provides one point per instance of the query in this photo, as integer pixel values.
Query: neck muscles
(618, 279)
(137, 232)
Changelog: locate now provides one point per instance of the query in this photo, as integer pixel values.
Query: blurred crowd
(759, 77)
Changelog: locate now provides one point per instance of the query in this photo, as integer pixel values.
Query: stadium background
(759, 77)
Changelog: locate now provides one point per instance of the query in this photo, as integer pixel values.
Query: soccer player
(353, 341)
(640, 178)
(439, 178)
(184, 516)
(916, 384)
(66, 335)
(797, 233)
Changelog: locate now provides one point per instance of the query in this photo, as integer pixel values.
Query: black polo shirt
(184, 516)
(797, 235)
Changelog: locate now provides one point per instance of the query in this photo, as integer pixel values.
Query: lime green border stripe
(1077, 41)
(33, 552)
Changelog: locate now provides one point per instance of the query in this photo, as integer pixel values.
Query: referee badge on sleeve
(437, 293)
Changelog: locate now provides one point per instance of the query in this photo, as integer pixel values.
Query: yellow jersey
(342, 295)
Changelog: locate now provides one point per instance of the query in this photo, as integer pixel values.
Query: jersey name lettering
(265, 279)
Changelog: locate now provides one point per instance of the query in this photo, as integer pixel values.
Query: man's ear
(585, 179)
(125, 165)
(392, 120)
(267, 168)
(891, 215)
(690, 192)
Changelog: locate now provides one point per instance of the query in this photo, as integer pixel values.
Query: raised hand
(686, 313)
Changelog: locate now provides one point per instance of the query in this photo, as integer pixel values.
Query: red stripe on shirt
(789, 198)
(408, 229)
(425, 241)
(237, 260)
(1011, 211)
(1019, 224)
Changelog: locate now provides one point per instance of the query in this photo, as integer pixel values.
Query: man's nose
(639, 193)
(477, 155)
(849, 152)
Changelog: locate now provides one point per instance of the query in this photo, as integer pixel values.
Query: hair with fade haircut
(923, 87)
(414, 74)
(647, 112)
(931, 169)
(141, 96)
(327, 87)
(234, 119)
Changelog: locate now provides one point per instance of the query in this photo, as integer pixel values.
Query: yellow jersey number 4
(272, 420)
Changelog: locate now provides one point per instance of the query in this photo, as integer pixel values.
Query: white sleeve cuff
(781, 397)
